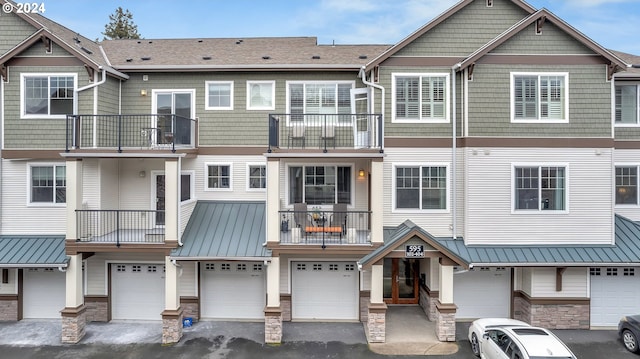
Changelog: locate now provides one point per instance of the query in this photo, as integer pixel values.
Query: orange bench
(323, 229)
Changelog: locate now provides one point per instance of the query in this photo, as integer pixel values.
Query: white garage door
(324, 291)
(43, 293)
(615, 292)
(233, 290)
(137, 291)
(482, 292)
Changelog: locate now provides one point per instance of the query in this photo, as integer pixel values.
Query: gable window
(261, 95)
(319, 185)
(627, 185)
(420, 97)
(257, 177)
(627, 104)
(218, 176)
(47, 95)
(539, 96)
(219, 95)
(329, 98)
(541, 188)
(421, 187)
(48, 184)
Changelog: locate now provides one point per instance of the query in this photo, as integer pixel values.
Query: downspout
(363, 76)
(454, 130)
(89, 86)
(179, 221)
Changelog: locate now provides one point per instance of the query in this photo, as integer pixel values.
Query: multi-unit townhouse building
(485, 165)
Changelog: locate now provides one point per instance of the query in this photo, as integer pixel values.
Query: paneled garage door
(233, 290)
(44, 293)
(137, 291)
(482, 292)
(324, 291)
(615, 292)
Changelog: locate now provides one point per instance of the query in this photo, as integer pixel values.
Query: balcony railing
(325, 227)
(120, 226)
(325, 131)
(152, 131)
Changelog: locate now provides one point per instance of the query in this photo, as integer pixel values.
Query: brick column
(273, 325)
(376, 323)
(74, 321)
(171, 326)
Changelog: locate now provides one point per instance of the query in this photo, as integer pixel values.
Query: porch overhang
(33, 251)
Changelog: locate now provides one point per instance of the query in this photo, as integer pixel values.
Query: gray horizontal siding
(552, 40)
(109, 95)
(14, 30)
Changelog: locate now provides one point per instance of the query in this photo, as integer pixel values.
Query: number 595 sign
(414, 251)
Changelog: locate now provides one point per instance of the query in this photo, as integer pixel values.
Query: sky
(614, 24)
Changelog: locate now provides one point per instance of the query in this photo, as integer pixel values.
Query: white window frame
(30, 203)
(622, 124)
(322, 164)
(253, 164)
(272, 95)
(208, 106)
(394, 209)
(192, 185)
(305, 111)
(539, 119)
(615, 185)
(206, 177)
(540, 210)
(421, 119)
(48, 75)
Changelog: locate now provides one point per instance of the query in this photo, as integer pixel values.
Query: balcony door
(173, 129)
(400, 280)
(362, 121)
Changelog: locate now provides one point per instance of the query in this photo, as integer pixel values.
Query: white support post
(273, 283)
(377, 201)
(273, 201)
(377, 282)
(171, 192)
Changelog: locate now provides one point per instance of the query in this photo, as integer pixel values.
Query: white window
(540, 188)
(320, 184)
(627, 185)
(626, 105)
(48, 184)
(219, 95)
(218, 177)
(328, 98)
(261, 95)
(256, 177)
(46, 95)
(420, 187)
(420, 97)
(186, 186)
(539, 97)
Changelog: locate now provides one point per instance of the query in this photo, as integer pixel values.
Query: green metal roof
(224, 230)
(32, 251)
(626, 250)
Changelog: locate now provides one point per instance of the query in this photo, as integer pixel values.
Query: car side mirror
(485, 335)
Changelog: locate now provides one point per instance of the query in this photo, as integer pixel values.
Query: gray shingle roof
(32, 251)
(224, 230)
(631, 60)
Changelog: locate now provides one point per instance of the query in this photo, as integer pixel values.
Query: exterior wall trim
(551, 301)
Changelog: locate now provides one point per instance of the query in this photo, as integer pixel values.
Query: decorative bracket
(559, 272)
(47, 43)
(91, 72)
(539, 24)
(470, 71)
(3, 72)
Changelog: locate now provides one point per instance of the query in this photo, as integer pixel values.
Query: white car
(501, 338)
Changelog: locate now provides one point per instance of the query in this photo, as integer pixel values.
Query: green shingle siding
(552, 40)
(14, 30)
(108, 95)
(39, 50)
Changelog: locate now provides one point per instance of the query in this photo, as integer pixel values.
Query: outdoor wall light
(143, 92)
(142, 174)
(361, 173)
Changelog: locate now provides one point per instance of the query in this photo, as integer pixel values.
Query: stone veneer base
(446, 322)
(74, 321)
(273, 325)
(376, 323)
(9, 308)
(553, 313)
(172, 326)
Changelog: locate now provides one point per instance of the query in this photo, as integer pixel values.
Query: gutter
(363, 76)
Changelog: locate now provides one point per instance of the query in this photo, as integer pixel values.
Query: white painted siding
(185, 213)
(138, 192)
(589, 219)
(11, 287)
(365, 280)
(284, 275)
(575, 283)
(17, 216)
(627, 158)
(91, 187)
(109, 196)
(238, 177)
(188, 280)
(96, 266)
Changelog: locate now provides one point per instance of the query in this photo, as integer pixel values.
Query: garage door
(614, 293)
(137, 291)
(482, 292)
(43, 293)
(233, 290)
(324, 291)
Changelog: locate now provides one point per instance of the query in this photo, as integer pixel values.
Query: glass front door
(400, 280)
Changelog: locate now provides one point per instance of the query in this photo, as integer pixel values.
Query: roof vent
(199, 40)
(151, 42)
(145, 58)
(129, 60)
(86, 50)
(76, 39)
(362, 57)
(206, 57)
(238, 42)
(316, 57)
(266, 57)
(139, 41)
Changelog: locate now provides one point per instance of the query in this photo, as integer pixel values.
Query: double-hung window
(420, 97)
(539, 97)
(540, 188)
(218, 177)
(319, 98)
(219, 95)
(47, 95)
(421, 187)
(320, 184)
(48, 184)
(627, 105)
(257, 177)
(627, 185)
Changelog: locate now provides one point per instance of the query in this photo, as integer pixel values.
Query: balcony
(325, 131)
(324, 228)
(120, 226)
(130, 132)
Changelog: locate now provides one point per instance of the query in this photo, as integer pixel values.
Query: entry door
(173, 129)
(160, 200)
(401, 281)
(362, 123)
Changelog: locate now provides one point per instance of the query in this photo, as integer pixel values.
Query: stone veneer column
(74, 321)
(273, 325)
(171, 326)
(74, 315)
(173, 314)
(446, 322)
(376, 323)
